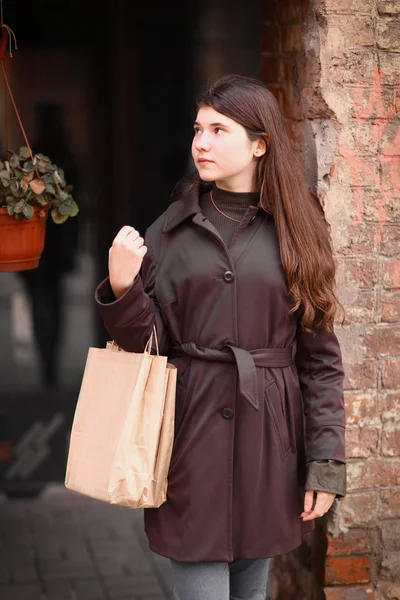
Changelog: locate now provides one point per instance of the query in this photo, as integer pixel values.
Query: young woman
(238, 276)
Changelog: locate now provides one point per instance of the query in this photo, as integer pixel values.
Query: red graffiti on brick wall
(383, 174)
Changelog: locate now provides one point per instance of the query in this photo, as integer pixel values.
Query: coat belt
(246, 361)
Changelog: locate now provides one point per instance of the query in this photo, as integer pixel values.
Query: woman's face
(222, 151)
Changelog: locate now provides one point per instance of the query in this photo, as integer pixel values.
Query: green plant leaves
(37, 186)
(69, 208)
(28, 211)
(24, 152)
(19, 206)
(58, 217)
(25, 183)
(14, 161)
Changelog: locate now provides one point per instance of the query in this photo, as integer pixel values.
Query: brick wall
(334, 65)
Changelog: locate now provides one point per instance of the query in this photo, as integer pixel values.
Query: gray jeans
(242, 579)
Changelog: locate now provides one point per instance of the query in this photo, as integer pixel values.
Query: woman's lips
(204, 161)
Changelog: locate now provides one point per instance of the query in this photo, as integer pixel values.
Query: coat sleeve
(326, 476)
(130, 319)
(320, 371)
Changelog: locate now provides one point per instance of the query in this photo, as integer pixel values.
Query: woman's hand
(125, 259)
(323, 503)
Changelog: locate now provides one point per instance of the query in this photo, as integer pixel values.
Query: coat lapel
(188, 206)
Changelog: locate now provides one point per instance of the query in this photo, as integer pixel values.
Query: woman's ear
(260, 147)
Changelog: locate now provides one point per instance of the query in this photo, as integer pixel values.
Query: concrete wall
(334, 65)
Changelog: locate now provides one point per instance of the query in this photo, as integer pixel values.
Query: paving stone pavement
(64, 546)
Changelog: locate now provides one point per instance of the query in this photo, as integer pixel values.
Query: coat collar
(185, 207)
(181, 209)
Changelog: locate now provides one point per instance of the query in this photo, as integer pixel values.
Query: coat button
(227, 413)
(229, 276)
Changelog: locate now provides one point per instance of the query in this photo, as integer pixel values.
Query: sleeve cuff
(326, 476)
(120, 312)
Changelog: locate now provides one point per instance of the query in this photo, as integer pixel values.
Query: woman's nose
(202, 142)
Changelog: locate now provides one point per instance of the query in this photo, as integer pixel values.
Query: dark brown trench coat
(237, 474)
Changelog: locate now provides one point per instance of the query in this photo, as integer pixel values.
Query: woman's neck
(235, 185)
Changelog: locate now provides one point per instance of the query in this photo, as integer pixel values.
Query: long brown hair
(303, 232)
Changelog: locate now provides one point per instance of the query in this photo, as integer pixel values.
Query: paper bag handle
(150, 341)
(148, 345)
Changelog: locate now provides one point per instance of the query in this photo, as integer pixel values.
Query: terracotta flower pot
(21, 241)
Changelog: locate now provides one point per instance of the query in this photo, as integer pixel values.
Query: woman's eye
(217, 129)
(196, 130)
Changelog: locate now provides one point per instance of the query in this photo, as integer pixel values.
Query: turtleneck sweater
(234, 204)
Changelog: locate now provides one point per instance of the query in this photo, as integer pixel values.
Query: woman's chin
(206, 176)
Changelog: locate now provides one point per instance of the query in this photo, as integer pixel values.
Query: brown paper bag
(122, 433)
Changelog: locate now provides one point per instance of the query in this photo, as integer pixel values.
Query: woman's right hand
(125, 259)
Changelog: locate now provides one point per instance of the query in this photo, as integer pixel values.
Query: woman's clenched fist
(125, 259)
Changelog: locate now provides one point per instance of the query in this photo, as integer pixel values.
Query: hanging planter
(22, 241)
(31, 186)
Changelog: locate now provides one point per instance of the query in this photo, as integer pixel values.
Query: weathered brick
(354, 541)
(289, 11)
(350, 6)
(391, 440)
(390, 7)
(390, 532)
(390, 566)
(388, 32)
(358, 170)
(390, 146)
(360, 375)
(391, 406)
(389, 65)
(359, 304)
(372, 100)
(373, 473)
(389, 589)
(363, 272)
(362, 442)
(311, 74)
(291, 38)
(388, 176)
(390, 241)
(347, 569)
(271, 69)
(290, 71)
(291, 107)
(295, 131)
(361, 508)
(391, 273)
(391, 373)
(361, 408)
(362, 137)
(378, 208)
(382, 340)
(390, 307)
(390, 502)
(358, 238)
(357, 30)
(353, 593)
(348, 67)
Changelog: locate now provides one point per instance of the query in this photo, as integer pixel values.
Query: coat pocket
(183, 365)
(274, 405)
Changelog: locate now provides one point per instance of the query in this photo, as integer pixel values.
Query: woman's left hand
(323, 503)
